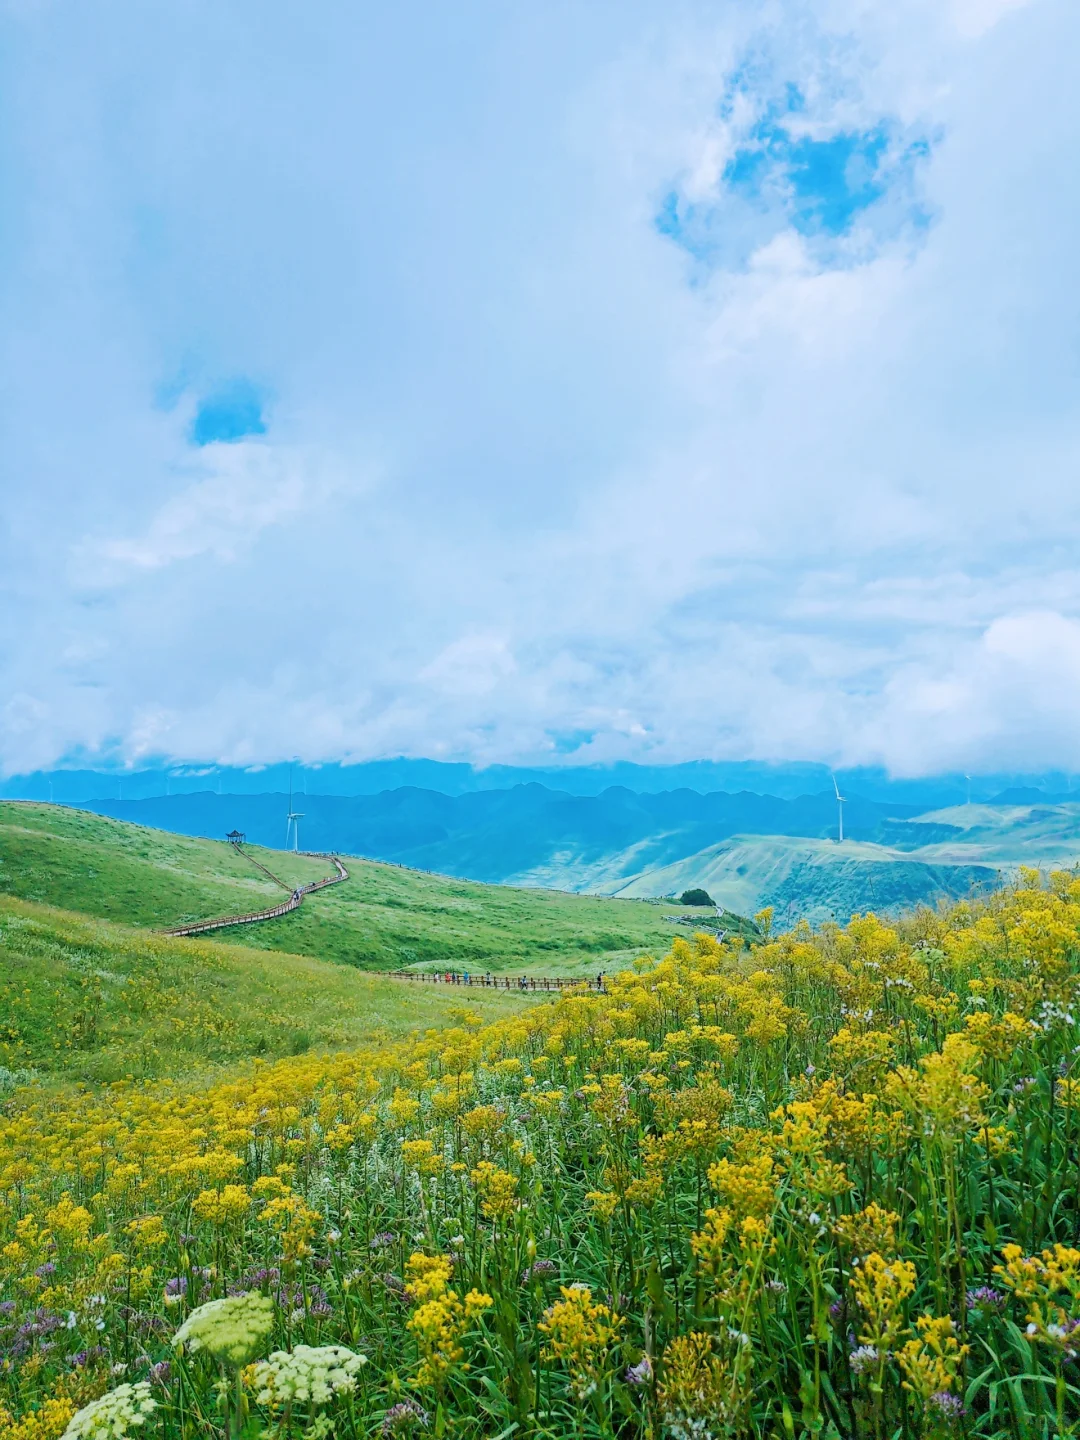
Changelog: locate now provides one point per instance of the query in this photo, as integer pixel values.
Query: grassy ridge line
(383, 918)
(88, 1000)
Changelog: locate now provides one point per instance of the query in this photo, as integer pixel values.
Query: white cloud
(471, 666)
(974, 17)
(244, 488)
(797, 507)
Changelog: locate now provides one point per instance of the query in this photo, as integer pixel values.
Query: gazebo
(235, 837)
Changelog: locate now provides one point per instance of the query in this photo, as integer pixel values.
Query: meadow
(385, 917)
(84, 1000)
(827, 1185)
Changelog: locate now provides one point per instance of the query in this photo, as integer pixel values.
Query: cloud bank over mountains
(614, 381)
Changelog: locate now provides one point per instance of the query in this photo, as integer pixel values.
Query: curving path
(295, 900)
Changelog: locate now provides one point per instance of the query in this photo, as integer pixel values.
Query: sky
(533, 382)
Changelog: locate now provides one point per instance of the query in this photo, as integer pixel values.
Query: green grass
(385, 917)
(118, 871)
(88, 1000)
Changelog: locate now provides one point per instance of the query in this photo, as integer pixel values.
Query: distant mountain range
(786, 781)
(746, 849)
(526, 835)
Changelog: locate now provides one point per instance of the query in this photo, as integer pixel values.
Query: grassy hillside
(89, 1000)
(123, 872)
(817, 878)
(383, 918)
(1005, 835)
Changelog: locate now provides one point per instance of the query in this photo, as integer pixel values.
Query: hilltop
(384, 917)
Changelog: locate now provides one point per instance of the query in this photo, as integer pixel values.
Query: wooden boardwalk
(464, 978)
(486, 981)
(295, 900)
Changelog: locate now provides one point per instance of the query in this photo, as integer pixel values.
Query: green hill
(818, 878)
(119, 871)
(89, 1000)
(940, 854)
(384, 917)
(1002, 835)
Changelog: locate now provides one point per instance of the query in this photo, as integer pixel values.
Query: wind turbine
(839, 810)
(292, 827)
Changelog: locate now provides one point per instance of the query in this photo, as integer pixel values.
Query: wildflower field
(828, 1186)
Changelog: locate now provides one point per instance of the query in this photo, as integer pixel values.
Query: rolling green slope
(1001, 835)
(124, 872)
(92, 1001)
(819, 879)
(384, 917)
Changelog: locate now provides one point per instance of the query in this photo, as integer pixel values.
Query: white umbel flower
(307, 1375)
(114, 1416)
(232, 1329)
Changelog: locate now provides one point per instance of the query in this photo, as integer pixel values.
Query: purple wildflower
(160, 1373)
(257, 1279)
(949, 1407)
(315, 1302)
(641, 1373)
(985, 1297)
(381, 1241)
(539, 1270)
(47, 1269)
(401, 1418)
(82, 1358)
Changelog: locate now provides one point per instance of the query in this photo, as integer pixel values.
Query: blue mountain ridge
(782, 780)
(498, 835)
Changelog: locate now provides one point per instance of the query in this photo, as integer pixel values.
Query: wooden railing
(497, 982)
(295, 900)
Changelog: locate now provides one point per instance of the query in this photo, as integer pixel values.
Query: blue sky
(541, 381)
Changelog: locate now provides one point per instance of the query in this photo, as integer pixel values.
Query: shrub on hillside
(696, 897)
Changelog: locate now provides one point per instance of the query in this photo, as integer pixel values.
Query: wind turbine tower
(839, 812)
(292, 827)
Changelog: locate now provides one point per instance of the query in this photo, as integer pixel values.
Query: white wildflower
(232, 1329)
(114, 1416)
(865, 1357)
(309, 1374)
